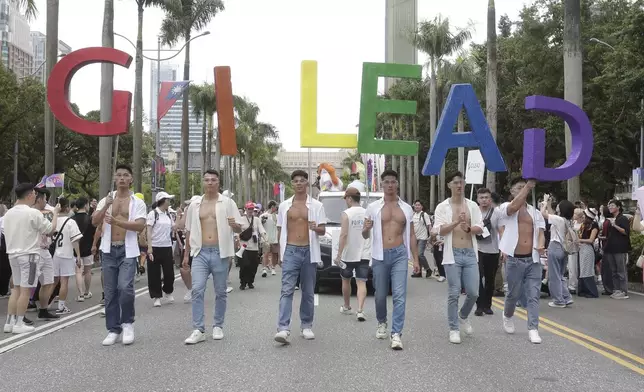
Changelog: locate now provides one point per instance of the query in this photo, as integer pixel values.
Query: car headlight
(325, 240)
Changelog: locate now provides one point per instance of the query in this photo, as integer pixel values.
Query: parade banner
(58, 92)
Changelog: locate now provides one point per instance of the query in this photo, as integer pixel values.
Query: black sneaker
(251, 286)
(478, 312)
(488, 311)
(242, 287)
(45, 314)
(32, 306)
(418, 275)
(26, 321)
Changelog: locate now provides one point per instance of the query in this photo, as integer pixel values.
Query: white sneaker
(8, 328)
(264, 273)
(455, 337)
(282, 337)
(217, 333)
(344, 310)
(534, 336)
(381, 332)
(137, 278)
(88, 295)
(396, 343)
(308, 334)
(508, 325)
(157, 302)
(196, 337)
(111, 338)
(229, 289)
(169, 298)
(554, 305)
(360, 316)
(128, 334)
(80, 298)
(22, 328)
(188, 297)
(466, 325)
(102, 312)
(273, 271)
(441, 279)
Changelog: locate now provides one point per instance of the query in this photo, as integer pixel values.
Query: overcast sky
(264, 42)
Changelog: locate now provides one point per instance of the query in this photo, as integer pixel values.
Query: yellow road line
(598, 342)
(606, 354)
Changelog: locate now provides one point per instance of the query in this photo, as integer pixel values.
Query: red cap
(250, 205)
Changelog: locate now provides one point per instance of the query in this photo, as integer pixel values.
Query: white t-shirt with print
(70, 233)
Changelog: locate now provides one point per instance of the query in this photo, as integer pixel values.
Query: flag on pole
(41, 184)
(168, 95)
(56, 180)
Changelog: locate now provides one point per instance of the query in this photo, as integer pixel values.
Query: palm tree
(28, 7)
(204, 104)
(137, 139)
(436, 39)
(573, 82)
(491, 84)
(107, 87)
(181, 19)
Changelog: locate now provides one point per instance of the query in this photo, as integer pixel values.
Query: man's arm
(320, 229)
(413, 244)
(344, 234)
(623, 227)
(477, 221)
(520, 199)
(137, 225)
(101, 210)
(442, 225)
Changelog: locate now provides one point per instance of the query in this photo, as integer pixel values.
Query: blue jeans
(209, 262)
(392, 270)
(524, 281)
(297, 263)
(422, 245)
(464, 273)
(557, 262)
(118, 286)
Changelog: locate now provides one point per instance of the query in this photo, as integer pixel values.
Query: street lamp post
(641, 106)
(157, 142)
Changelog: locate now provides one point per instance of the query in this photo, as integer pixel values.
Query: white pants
(573, 271)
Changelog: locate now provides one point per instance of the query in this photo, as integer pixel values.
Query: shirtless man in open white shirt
(122, 216)
(522, 243)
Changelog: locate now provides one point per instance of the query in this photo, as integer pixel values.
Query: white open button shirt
(316, 214)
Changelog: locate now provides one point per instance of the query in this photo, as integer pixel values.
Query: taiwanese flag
(168, 95)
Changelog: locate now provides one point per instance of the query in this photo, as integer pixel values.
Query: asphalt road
(600, 348)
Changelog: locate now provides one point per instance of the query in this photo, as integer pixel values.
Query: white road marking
(316, 300)
(28, 338)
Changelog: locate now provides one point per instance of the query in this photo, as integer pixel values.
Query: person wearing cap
(586, 286)
(354, 251)
(249, 238)
(159, 253)
(210, 224)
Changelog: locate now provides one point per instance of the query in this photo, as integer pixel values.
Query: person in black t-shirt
(616, 248)
(84, 273)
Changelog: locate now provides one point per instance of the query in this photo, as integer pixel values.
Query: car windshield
(333, 207)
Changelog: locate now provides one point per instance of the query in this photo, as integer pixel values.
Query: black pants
(162, 260)
(488, 265)
(54, 294)
(438, 257)
(5, 269)
(607, 275)
(248, 266)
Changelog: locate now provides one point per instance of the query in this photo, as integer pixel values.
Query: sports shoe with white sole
(308, 334)
(157, 302)
(169, 298)
(508, 325)
(381, 332)
(217, 333)
(396, 342)
(128, 334)
(111, 338)
(466, 325)
(188, 297)
(361, 316)
(533, 334)
(344, 310)
(195, 337)
(455, 337)
(282, 337)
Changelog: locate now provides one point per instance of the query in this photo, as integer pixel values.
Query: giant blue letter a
(462, 95)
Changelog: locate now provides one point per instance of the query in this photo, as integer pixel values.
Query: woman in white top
(249, 238)
(271, 246)
(422, 227)
(159, 226)
(557, 257)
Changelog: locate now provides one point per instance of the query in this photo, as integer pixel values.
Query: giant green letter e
(371, 105)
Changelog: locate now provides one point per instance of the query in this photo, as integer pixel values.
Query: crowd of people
(482, 249)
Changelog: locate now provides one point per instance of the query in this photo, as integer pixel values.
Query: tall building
(15, 43)
(401, 17)
(171, 130)
(38, 43)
